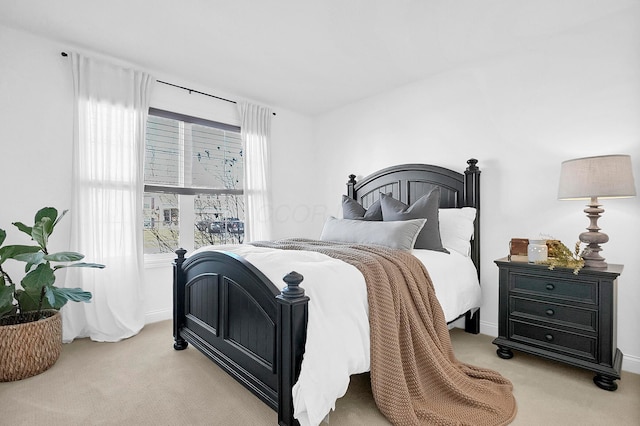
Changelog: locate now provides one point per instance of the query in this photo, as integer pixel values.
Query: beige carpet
(143, 381)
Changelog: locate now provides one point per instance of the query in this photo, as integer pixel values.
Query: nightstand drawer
(574, 345)
(580, 290)
(585, 319)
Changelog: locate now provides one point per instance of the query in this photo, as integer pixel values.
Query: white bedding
(338, 329)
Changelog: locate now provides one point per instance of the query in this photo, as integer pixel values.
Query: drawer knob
(550, 312)
(550, 286)
(549, 337)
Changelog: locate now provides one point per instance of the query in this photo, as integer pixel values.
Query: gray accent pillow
(351, 209)
(425, 207)
(397, 235)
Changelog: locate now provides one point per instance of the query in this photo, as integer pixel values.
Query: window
(193, 176)
(171, 216)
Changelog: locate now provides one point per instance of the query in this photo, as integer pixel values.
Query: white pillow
(456, 228)
(394, 234)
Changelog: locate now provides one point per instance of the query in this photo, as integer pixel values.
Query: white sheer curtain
(255, 131)
(111, 107)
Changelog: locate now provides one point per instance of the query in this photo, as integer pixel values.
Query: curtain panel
(255, 130)
(111, 107)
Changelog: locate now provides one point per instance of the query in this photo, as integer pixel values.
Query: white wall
(35, 135)
(521, 114)
(36, 106)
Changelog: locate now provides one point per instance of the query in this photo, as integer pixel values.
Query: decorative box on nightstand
(561, 316)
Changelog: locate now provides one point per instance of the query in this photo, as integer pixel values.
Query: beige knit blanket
(415, 377)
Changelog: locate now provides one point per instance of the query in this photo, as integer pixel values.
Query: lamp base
(592, 258)
(593, 238)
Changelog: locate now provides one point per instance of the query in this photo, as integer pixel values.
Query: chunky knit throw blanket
(415, 377)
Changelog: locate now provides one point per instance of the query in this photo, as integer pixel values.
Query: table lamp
(590, 178)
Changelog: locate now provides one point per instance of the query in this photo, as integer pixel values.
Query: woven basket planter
(29, 348)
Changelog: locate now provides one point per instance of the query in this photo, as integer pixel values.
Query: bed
(254, 328)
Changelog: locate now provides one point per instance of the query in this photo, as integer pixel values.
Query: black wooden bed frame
(232, 313)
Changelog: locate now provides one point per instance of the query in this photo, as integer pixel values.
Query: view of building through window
(193, 183)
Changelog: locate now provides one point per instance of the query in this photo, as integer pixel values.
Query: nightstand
(561, 316)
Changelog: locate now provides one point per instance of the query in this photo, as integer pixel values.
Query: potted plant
(30, 323)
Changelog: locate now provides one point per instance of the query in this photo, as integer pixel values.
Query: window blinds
(187, 155)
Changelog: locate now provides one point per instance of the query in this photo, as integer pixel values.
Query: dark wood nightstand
(561, 316)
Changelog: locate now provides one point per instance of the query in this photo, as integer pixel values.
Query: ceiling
(308, 56)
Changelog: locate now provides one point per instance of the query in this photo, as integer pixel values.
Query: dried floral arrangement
(561, 256)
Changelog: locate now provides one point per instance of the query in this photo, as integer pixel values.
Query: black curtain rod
(184, 88)
(196, 91)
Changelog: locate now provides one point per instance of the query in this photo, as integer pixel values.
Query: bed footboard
(233, 314)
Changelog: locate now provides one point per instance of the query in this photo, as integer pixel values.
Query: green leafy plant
(36, 291)
(561, 256)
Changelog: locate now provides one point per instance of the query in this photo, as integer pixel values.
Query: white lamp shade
(607, 176)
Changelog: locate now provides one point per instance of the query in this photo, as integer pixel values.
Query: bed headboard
(408, 182)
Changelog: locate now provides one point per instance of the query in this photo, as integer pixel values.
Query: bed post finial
(472, 165)
(181, 253)
(293, 289)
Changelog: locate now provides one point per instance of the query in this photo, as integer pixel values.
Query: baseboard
(488, 328)
(630, 363)
(155, 316)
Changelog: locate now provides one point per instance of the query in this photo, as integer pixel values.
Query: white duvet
(338, 328)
